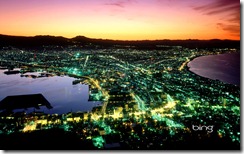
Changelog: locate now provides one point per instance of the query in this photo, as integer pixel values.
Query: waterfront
(147, 95)
(114, 75)
(59, 91)
(224, 67)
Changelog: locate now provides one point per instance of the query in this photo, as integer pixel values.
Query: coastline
(203, 77)
(80, 98)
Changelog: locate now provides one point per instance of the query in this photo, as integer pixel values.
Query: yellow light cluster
(29, 128)
(170, 105)
(43, 121)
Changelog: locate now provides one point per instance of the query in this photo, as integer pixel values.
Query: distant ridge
(40, 40)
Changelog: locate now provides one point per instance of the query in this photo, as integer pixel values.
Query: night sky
(122, 19)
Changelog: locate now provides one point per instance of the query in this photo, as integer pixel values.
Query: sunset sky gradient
(122, 19)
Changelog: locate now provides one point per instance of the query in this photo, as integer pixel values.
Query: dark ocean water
(224, 67)
(59, 91)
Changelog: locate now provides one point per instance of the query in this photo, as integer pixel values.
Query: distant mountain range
(40, 40)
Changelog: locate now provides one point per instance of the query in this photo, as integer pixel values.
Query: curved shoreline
(188, 69)
(81, 104)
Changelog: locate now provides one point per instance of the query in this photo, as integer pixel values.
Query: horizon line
(118, 39)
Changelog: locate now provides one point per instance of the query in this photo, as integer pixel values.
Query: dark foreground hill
(58, 139)
(41, 40)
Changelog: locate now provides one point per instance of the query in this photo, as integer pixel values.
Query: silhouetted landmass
(39, 41)
(31, 42)
(24, 101)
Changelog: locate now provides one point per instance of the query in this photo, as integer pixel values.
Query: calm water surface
(59, 91)
(65, 97)
(224, 67)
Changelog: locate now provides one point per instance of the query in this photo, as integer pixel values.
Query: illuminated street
(142, 92)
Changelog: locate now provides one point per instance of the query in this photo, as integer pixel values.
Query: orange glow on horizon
(122, 20)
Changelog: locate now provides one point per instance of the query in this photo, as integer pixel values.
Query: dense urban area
(150, 100)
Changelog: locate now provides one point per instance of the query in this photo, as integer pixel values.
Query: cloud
(229, 10)
(119, 3)
(234, 29)
(119, 8)
(218, 4)
(224, 9)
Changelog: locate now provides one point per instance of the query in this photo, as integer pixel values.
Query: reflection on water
(224, 67)
(59, 91)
